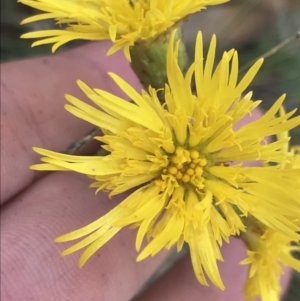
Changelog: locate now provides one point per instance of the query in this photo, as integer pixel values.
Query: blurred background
(253, 27)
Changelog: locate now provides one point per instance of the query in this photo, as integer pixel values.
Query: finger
(32, 100)
(31, 266)
(180, 283)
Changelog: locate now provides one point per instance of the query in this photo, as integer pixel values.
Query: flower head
(179, 156)
(268, 251)
(123, 21)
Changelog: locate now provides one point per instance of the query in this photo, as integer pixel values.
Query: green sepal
(148, 58)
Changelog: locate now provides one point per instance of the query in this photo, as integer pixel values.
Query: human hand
(37, 207)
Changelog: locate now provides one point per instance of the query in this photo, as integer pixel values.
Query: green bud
(148, 58)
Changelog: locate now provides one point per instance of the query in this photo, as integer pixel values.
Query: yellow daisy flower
(123, 21)
(179, 156)
(268, 252)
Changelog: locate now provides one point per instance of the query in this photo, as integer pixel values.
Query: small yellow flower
(268, 252)
(179, 156)
(122, 21)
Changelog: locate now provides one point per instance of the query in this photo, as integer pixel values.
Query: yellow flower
(123, 21)
(268, 252)
(179, 156)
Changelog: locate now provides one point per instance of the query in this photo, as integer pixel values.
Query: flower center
(186, 166)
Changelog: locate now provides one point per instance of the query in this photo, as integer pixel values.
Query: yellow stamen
(186, 178)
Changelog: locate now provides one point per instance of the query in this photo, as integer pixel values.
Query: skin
(39, 206)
